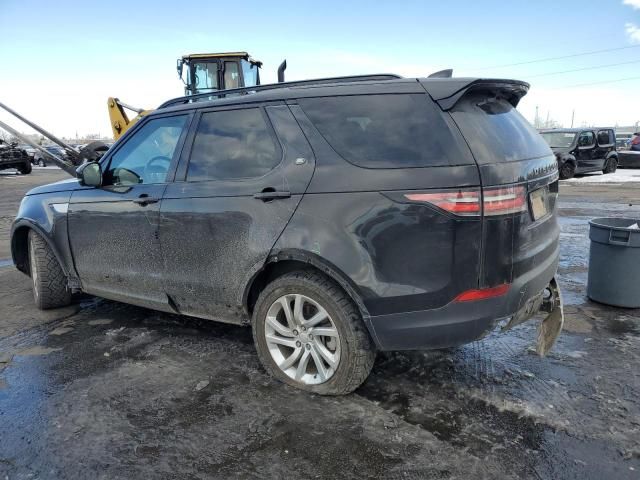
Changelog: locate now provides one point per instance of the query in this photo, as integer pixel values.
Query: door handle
(144, 200)
(271, 195)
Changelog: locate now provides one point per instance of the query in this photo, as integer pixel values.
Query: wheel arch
(20, 245)
(290, 260)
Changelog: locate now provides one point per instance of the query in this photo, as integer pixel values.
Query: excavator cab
(209, 72)
(200, 73)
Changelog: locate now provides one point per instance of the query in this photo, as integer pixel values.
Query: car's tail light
(495, 201)
(499, 201)
(482, 293)
(460, 202)
(635, 140)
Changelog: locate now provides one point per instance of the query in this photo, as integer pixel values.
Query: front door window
(145, 157)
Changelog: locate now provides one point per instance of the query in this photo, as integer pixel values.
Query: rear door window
(495, 130)
(386, 131)
(605, 138)
(233, 144)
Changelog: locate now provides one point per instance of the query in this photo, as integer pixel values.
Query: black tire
(567, 170)
(357, 349)
(47, 277)
(25, 169)
(41, 163)
(611, 166)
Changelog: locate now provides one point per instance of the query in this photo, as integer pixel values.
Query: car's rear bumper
(460, 322)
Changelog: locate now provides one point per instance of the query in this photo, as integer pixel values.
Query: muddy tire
(567, 170)
(49, 281)
(328, 351)
(611, 166)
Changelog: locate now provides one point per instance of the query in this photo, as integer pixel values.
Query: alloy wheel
(302, 339)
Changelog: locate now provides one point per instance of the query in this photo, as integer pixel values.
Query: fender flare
(22, 223)
(320, 264)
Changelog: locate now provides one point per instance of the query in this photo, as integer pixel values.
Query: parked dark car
(41, 159)
(336, 218)
(11, 156)
(583, 150)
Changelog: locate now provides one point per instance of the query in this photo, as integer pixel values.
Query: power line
(582, 69)
(548, 59)
(596, 83)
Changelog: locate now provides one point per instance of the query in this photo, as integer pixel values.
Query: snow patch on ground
(622, 175)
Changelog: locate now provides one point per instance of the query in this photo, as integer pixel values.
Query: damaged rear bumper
(458, 323)
(548, 301)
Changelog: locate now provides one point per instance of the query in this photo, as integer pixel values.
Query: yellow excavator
(200, 73)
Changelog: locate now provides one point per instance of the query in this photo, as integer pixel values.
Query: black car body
(583, 150)
(12, 156)
(428, 204)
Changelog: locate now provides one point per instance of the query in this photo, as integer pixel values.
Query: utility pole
(573, 114)
(536, 121)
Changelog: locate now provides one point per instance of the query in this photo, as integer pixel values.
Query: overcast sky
(60, 60)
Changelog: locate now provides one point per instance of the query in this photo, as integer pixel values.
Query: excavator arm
(118, 117)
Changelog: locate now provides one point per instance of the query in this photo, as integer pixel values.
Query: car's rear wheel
(567, 170)
(611, 166)
(41, 163)
(50, 288)
(309, 334)
(25, 168)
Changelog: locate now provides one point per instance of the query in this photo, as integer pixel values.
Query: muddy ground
(106, 390)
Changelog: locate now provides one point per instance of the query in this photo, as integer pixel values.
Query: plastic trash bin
(614, 262)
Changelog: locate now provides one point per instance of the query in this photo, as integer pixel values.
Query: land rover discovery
(335, 217)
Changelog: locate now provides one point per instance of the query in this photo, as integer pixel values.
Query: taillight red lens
(460, 202)
(482, 293)
(500, 201)
(496, 201)
(635, 140)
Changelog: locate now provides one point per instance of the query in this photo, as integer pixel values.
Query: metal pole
(573, 114)
(68, 149)
(67, 167)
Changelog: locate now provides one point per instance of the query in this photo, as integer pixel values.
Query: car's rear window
(387, 131)
(495, 130)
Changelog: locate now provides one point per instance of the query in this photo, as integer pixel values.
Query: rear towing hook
(549, 301)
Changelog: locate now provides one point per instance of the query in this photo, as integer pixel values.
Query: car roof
(439, 89)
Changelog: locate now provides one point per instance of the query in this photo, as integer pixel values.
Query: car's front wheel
(567, 170)
(611, 166)
(50, 288)
(41, 163)
(309, 334)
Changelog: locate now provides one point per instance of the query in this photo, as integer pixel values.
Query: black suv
(337, 217)
(12, 156)
(583, 150)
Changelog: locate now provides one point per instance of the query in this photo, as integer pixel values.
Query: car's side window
(233, 144)
(146, 156)
(605, 138)
(586, 139)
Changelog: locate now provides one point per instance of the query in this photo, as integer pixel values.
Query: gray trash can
(614, 262)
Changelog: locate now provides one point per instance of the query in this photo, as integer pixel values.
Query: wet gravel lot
(105, 390)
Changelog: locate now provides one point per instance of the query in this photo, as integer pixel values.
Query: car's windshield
(559, 139)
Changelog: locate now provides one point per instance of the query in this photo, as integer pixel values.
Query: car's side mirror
(90, 174)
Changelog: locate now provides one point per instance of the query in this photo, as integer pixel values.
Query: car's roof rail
(272, 86)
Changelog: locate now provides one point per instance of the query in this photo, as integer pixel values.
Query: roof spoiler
(447, 92)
